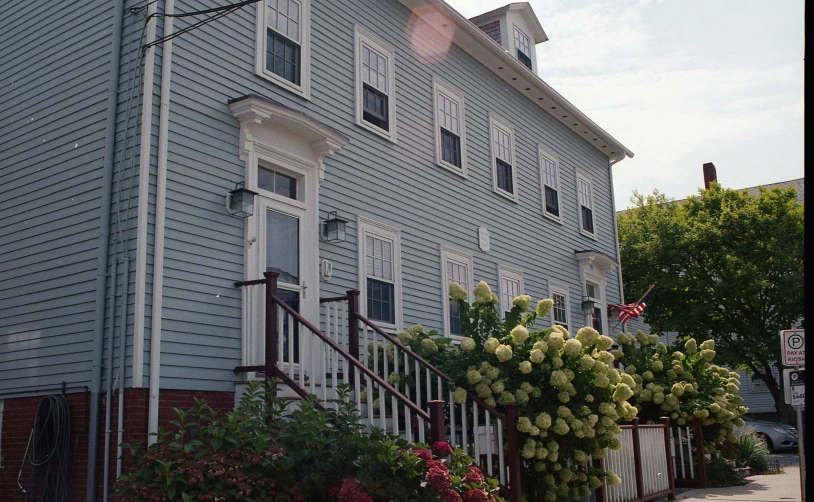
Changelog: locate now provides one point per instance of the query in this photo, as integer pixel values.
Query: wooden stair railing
(324, 358)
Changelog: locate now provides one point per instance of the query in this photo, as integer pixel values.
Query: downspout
(114, 275)
(122, 367)
(104, 234)
(139, 310)
(160, 226)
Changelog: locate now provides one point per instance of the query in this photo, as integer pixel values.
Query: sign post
(793, 347)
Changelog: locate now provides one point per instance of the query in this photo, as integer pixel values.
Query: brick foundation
(18, 419)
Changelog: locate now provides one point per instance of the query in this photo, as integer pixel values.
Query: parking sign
(793, 345)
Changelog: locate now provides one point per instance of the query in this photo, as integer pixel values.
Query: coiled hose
(47, 452)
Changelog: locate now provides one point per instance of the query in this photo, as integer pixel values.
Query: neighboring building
(447, 154)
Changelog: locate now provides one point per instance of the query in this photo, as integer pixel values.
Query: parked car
(778, 436)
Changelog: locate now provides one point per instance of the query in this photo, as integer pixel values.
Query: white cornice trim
(481, 46)
(596, 259)
(255, 112)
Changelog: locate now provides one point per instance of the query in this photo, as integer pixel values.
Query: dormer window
(523, 46)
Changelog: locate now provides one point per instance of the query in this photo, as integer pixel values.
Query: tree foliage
(728, 266)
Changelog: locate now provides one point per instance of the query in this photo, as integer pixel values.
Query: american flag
(630, 310)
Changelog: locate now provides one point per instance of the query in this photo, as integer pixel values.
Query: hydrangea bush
(682, 384)
(260, 452)
(571, 398)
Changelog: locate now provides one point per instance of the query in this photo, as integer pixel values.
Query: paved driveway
(764, 488)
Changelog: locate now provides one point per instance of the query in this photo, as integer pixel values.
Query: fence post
(271, 328)
(637, 460)
(353, 330)
(699, 445)
(513, 455)
(601, 496)
(670, 478)
(436, 421)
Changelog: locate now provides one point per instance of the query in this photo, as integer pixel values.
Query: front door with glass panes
(282, 237)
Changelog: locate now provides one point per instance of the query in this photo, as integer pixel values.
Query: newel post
(271, 326)
(437, 428)
(669, 452)
(637, 460)
(353, 331)
(601, 496)
(513, 457)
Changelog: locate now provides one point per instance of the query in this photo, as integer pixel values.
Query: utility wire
(220, 12)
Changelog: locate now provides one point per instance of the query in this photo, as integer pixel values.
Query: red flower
(333, 492)
(423, 455)
(450, 496)
(442, 448)
(351, 491)
(474, 477)
(438, 479)
(475, 496)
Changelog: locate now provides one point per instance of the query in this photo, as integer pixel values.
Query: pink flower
(442, 448)
(475, 496)
(474, 476)
(450, 496)
(438, 479)
(423, 455)
(333, 492)
(351, 491)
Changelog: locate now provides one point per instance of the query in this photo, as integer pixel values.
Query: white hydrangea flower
(572, 347)
(482, 293)
(459, 395)
(525, 367)
(544, 306)
(503, 353)
(522, 301)
(520, 334)
(467, 344)
(491, 344)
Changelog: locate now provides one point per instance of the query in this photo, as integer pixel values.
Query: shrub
(259, 452)
(683, 385)
(721, 473)
(752, 452)
(571, 399)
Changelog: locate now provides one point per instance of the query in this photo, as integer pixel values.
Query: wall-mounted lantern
(240, 201)
(334, 228)
(587, 306)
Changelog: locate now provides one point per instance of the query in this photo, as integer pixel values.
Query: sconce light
(334, 228)
(587, 306)
(240, 201)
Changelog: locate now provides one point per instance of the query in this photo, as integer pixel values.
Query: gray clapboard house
(123, 128)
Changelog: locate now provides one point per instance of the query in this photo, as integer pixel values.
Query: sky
(680, 83)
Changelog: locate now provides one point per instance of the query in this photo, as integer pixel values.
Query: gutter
(529, 78)
(160, 226)
(104, 237)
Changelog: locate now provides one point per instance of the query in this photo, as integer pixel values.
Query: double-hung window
(375, 85)
(559, 311)
(456, 266)
(502, 141)
(380, 272)
(511, 286)
(450, 133)
(283, 32)
(523, 46)
(549, 172)
(586, 206)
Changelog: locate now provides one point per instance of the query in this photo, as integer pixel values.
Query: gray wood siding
(397, 184)
(53, 76)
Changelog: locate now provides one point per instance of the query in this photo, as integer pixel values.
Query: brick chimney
(709, 174)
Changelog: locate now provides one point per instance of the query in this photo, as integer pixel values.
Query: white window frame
(362, 37)
(304, 89)
(560, 289)
(439, 88)
(496, 122)
(599, 300)
(508, 273)
(518, 46)
(365, 227)
(462, 258)
(544, 154)
(583, 178)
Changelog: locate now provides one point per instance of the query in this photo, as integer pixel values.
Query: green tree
(728, 266)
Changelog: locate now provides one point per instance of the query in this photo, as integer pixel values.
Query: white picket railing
(643, 464)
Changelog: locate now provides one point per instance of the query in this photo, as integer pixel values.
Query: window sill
(460, 171)
(388, 135)
(589, 235)
(512, 197)
(556, 219)
(303, 91)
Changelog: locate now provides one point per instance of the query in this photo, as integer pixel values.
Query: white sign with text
(793, 346)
